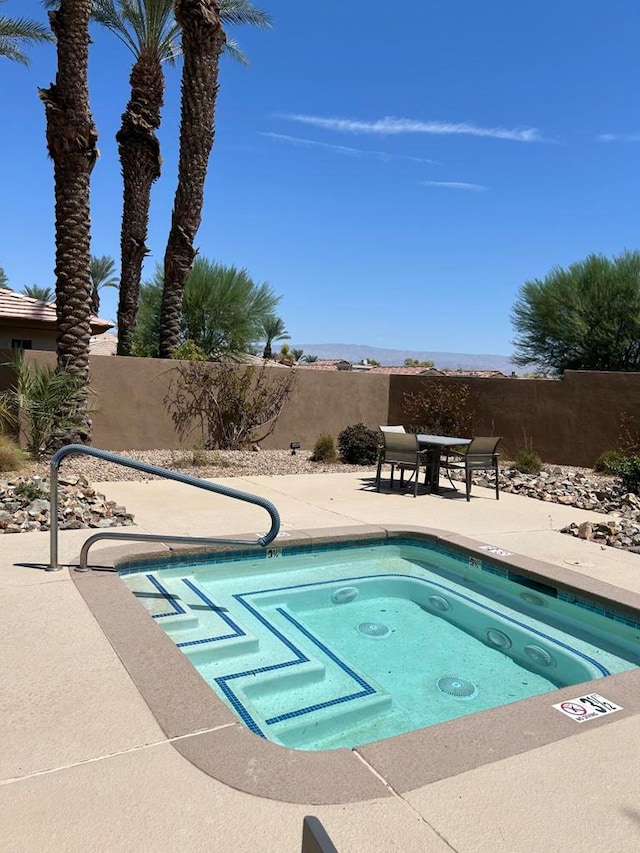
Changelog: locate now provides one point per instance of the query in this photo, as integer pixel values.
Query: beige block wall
(571, 421)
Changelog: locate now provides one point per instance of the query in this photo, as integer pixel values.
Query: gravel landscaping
(82, 506)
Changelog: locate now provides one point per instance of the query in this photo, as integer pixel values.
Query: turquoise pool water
(344, 646)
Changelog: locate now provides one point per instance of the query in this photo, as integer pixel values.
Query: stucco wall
(571, 421)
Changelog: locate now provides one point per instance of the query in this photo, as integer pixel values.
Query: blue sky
(395, 171)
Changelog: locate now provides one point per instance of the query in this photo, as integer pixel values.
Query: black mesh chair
(402, 450)
(480, 455)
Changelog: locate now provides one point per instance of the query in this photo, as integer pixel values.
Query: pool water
(341, 647)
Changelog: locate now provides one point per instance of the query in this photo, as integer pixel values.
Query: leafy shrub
(324, 450)
(628, 469)
(527, 460)
(188, 351)
(440, 408)
(358, 445)
(608, 462)
(46, 408)
(231, 406)
(12, 457)
(30, 491)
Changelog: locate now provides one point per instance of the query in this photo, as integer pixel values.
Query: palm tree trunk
(140, 162)
(202, 42)
(71, 140)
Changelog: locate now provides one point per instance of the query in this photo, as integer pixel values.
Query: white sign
(493, 549)
(588, 707)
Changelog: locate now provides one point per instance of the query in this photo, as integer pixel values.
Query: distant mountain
(451, 360)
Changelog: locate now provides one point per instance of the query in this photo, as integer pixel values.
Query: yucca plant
(45, 408)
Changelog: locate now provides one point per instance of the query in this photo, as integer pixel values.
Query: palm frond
(15, 33)
(243, 12)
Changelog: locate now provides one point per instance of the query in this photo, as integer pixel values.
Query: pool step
(298, 732)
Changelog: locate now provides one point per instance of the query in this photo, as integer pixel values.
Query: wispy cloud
(391, 126)
(454, 185)
(383, 156)
(619, 137)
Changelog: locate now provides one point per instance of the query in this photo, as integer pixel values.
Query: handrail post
(54, 565)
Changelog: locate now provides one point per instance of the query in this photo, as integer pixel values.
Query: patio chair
(480, 455)
(401, 449)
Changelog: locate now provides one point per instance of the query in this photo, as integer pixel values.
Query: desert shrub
(12, 456)
(608, 462)
(358, 445)
(46, 408)
(230, 406)
(188, 351)
(628, 469)
(29, 491)
(324, 450)
(440, 408)
(527, 460)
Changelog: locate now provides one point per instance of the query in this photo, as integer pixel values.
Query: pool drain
(437, 602)
(344, 595)
(373, 629)
(539, 656)
(456, 688)
(498, 639)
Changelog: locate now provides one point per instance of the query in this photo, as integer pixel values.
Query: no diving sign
(588, 707)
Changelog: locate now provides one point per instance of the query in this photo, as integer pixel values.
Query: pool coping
(211, 737)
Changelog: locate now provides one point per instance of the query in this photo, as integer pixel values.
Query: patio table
(436, 443)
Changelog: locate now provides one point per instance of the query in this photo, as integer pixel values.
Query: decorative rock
(78, 506)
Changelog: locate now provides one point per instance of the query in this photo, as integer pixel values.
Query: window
(21, 343)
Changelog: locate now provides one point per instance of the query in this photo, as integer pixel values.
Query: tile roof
(407, 371)
(105, 344)
(325, 364)
(17, 306)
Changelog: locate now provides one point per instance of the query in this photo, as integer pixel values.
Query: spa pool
(325, 647)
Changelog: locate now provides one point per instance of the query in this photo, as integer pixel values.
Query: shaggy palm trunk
(140, 162)
(202, 42)
(71, 141)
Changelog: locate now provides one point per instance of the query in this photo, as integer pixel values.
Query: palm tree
(4, 280)
(203, 40)
(15, 33)
(148, 28)
(296, 355)
(273, 330)
(310, 359)
(71, 141)
(35, 291)
(103, 274)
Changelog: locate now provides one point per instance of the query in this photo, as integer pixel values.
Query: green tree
(296, 355)
(310, 359)
(203, 40)
(17, 33)
(585, 317)
(103, 274)
(72, 144)
(224, 311)
(35, 291)
(273, 330)
(414, 362)
(4, 280)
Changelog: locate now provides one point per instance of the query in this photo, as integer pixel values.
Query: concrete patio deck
(85, 766)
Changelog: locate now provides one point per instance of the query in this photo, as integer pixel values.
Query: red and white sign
(588, 707)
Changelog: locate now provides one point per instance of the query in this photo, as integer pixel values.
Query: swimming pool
(317, 648)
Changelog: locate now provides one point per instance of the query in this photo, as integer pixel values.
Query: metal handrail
(57, 458)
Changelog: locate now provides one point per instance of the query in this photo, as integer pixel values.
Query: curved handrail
(57, 458)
